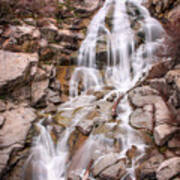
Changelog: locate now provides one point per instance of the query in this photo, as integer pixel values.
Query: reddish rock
(163, 133)
(169, 169)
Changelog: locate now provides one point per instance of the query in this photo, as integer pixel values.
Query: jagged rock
(160, 85)
(23, 93)
(53, 97)
(49, 32)
(144, 95)
(159, 69)
(14, 131)
(51, 108)
(142, 119)
(15, 69)
(55, 85)
(163, 133)
(169, 169)
(85, 126)
(114, 172)
(104, 162)
(87, 6)
(38, 92)
(147, 170)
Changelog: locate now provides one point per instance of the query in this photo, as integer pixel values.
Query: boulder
(85, 126)
(147, 169)
(114, 172)
(142, 119)
(169, 169)
(159, 69)
(87, 6)
(16, 69)
(14, 131)
(163, 133)
(104, 162)
(38, 92)
(145, 95)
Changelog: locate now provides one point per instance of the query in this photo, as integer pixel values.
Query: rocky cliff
(37, 41)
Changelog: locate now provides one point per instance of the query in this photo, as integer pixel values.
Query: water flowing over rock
(115, 113)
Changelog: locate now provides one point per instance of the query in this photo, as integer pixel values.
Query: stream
(90, 144)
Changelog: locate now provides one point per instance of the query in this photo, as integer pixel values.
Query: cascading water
(125, 60)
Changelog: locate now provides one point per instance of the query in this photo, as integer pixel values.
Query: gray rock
(169, 169)
(15, 69)
(163, 133)
(85, 126)
(142, 119)
(53, 97)
(14, 131)
(104, 162)
(147, 170)
(38, 92)
(146, 96)
(114, 172)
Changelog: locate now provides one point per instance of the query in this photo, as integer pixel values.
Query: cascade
(117, 52)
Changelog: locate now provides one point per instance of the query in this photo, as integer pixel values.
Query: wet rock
(114, 172)
(169, 169)
(163, 133)
(147, 170)
(62, 120)
(38, 92)
(15, 69)
(142, 119)
(85, 126)
(14, 131)
(159, 69)
(104, 162)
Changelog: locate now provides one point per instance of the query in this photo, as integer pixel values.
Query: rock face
(17, 123)
(169, 169)
(163, 9)
(109, 167)
(163, 133)
(15, 69)
(147, 170)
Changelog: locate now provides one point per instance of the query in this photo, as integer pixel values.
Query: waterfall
(110, 56)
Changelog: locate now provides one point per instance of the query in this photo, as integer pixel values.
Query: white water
(123, 68)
